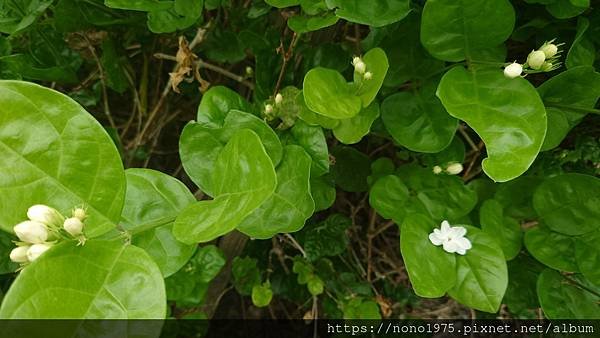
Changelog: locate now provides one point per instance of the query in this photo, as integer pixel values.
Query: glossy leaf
(521, 294)
(352, 130)
(481, 274)
(216, 104)
(587, 255)
(243, 178)
(152, 202)
(100, 280)
(582, 51)
(569, 203)
(504, 228)
(451, 30)
(327, 93)
(51, 146)
(506, 113)
(374, 13)
(17, 16)
(199, 146)
(432, 271)
(262, 295)
(377, 64)
(323, 192)
(388, 196)
(562, 298)
(418, 120)
(312, 139)
(551, 248)
(290, 205)
(309, 23)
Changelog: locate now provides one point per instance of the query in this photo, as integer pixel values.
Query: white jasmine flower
(356, 60)
(45, 214)
(513, 70)
(19, 254)
(368, 76)
(36, 250)
(549, 49)
(278, 98)
(268, 109)
(31, 232)
(360, 67)
(536, 59)
(437, 169)
(79, 213)
(452, 239)
(73, 226)
(454, 169)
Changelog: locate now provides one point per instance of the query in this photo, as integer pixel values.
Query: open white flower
(452, 239)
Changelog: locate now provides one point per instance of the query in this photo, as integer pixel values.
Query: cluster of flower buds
(544, 59)
(270, 107)
(45, 227)
(361, 68)
(452, 168)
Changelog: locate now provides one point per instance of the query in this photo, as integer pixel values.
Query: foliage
(308, 152)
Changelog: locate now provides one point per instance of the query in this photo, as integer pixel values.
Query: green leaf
(521, 292)
(288, 208)
(245, 274)
(569, 203)
(418, 120)
(582, 51)
(189, 8)
(451, 30)
(505, 229)
(262, 294)
(454, 152)
(481, 274)
(351, 169)
(563, 298)
(327, 93)
(361, 308)
(114, 67)
(216, 104)
(388, 196)
(308, 23)
(551, 248)
(199, 146)
(100, 280)
(587, 254)
(190, 283)
(570, 91)
(243, 178)
(517, 197)
(25, 66)
(139, 5)
(432, 271)
(283, 3)
(506, 113)
(152, 202)
(312, 139)
(352, 130)
(327, 238)
(323, 192)
(168, 21)
(377, 64)
(565, 9)
(55, 153)
(17, 16)
(558, 128)
(376, 13)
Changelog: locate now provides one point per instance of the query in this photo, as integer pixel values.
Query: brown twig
(286, 56)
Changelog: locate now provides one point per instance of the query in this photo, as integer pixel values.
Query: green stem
(573, 108)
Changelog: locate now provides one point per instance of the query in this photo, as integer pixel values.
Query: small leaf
(216, 104)
(377, 64)
(352, 130)
(327, 238)
(327, 93)
(262, 294)
(245, 274)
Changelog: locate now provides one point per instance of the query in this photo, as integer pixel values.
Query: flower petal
(451, 246)
(463, 243)
(445, 226)
(435, 239)
(459, 231)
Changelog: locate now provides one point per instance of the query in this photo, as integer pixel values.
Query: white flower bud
(513, 70)
(79, 213)
(549, 50)
(356, 60)
(278, 98)
(268, 109)
(19, 254)
(73, 226)
(31, 232)
(249, 70)
(368, 76)
(454, 169)
(437, 170)
(44, 214)
(536, 59)
(36, 250)
(360, 67)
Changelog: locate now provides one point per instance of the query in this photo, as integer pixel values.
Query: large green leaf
(377, 64)
(587, 254)
(388, 196)
(152, 202)
(563, 298)
(375, 13)
(53, 152)
(551, 248)
(323, 192)
(199, 146)
(312, 139)
(481, 274)
(418, 120)
(452, 30)
(100, 280)
(327, 93)
(290, 205)
(243, 178)
(432, 271)
(521, 292)
(568, 93)
(216, 104)
(506, 113)
(505, 229)
(582, 51)
(569, 203)
(352, 130)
